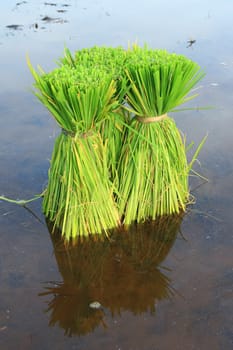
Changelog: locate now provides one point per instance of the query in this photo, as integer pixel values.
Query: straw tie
(147, 120)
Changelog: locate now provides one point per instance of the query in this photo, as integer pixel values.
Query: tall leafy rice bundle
(112, 61)
(119, 158)
(153, 169)
(79, 196)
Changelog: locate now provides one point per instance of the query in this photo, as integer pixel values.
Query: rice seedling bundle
(153, 169)
(112, 61)
(119, 158)
(79, 197)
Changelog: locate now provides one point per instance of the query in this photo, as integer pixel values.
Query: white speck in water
(95, 305)
(3, 328)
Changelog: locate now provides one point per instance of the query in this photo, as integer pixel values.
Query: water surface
(165, 287)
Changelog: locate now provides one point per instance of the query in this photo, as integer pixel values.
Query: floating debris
(7, 213)
(50, 4)
(214, 84)
(21, 3)
(15, 26)
(48, 19)
(61, 11)
(190, 42)
(34, 26)
(3, 328)
(95, 305)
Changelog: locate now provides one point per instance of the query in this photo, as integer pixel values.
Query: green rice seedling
(153, 170)
(112, 61)
(79, 197)
(120, 157)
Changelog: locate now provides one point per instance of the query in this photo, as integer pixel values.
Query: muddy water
(167, 286)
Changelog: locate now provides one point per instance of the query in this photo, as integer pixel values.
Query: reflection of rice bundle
(70, 309)
(120, 157)
(122, 274)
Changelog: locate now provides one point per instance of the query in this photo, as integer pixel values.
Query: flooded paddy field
(163, 285)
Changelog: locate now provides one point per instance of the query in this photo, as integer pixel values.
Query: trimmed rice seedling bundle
(79, 197)
(112, 61)
(153, 170)
(119, 158)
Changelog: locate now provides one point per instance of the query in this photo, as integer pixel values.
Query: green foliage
(79, 197)
(108, 167)
(153, 170)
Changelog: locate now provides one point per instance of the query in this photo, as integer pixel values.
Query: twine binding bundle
(147, 120)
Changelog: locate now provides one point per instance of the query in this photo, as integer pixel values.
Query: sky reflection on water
(200, 262)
